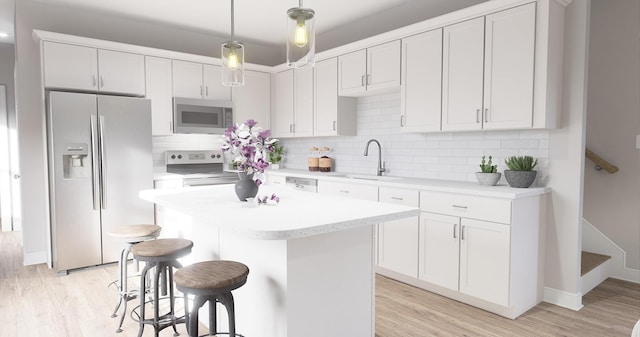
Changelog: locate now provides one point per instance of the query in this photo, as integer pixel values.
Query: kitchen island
(311, 257)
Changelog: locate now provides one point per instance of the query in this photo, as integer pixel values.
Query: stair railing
(600, 163)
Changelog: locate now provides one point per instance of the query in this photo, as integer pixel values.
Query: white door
(253, 100)
(421, 90)
(303, 102)
(484, 260)
(439, 249)
(159, 84)
(187, 79)
(282, 108)
(462, 76)
(70, 67)
(509, 61)
(326, 97)
(121, 72)
(352, 69)
(383, 66)
(213, 88)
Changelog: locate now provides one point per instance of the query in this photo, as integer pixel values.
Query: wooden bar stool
(163, 254)
(130, 235)
(210, 281)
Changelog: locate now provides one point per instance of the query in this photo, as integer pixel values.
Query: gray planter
(246, 187)
(489, 179)
(520, 179)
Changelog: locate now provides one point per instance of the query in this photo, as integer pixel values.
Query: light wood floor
(34, 302)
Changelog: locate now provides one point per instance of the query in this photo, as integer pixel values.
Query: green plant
(521, 163)
(487, 167)
(275, 156)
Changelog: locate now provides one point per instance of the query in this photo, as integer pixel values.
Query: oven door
(201, 116)
(209, 181)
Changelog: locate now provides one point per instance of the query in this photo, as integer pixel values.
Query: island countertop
(297, 215)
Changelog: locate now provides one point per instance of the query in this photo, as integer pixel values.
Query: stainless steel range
(200, 167)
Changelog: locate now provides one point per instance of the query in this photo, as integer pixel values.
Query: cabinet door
(462, 76)
(303, 102)
(253, 100)
(213, 88)
(326, 97)
(383, 66)
(484, 260)
(158, 78)
(121, 72)
(352, 69)
(439, 249)
(70, 67)
(398, 239)
(187, 79)
(282, 104)
(421, 90)
(509, 58)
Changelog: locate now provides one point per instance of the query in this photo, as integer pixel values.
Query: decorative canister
(313, 161)
(325, 164)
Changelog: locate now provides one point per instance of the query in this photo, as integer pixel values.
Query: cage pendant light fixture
(232, 60)
(301, 37)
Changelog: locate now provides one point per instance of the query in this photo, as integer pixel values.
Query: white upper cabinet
(292, 103)
(334, 115)
(196, 80)
(303, 102)
(462, 77)
(509, 68)
(159, 84)
(282, 104)
(253, 100)
(488, 71)
(90, 69)
(421, 90)
(375, 69)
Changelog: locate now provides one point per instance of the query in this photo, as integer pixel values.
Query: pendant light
(232, 60)
(301, 42)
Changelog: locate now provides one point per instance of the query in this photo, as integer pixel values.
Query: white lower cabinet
(358, 191)
(439, 249)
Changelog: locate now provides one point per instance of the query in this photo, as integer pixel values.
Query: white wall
(7, 130)
(613, 120)
(7, 65)
(446, 155)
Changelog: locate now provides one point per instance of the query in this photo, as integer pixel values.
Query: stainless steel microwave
(192, 115)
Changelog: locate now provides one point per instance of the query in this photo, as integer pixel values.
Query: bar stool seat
(130, 235)
(163, 254)
(210, 281)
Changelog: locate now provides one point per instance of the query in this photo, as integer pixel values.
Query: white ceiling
(260, 20)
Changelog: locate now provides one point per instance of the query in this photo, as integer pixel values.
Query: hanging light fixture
(301, 42)
(232, 60)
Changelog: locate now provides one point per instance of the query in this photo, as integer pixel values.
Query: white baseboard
(562, 298)
(594, 241)
(34, 258)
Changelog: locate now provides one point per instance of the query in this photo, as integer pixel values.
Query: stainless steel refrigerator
(99, 150)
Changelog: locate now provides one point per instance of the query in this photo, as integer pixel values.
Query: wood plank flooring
(34, 302)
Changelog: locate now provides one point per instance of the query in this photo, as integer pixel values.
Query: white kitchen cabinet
(159, 91)
(372, 70)
(488, 70)
(358, 191)
(439, 250)
(334, 115)
(398, 239)
(292, 97)
(82, 68)
(196, 80)
(421, 89)
(253, 100)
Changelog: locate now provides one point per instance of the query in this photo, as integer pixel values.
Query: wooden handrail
(600, 163)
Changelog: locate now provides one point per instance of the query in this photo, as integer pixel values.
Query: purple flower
(275, 198)
(250, 123)
(264, 134)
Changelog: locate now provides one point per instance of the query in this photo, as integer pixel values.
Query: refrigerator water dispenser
(75, 161)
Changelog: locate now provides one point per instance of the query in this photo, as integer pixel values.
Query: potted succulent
(275, 155)
(488, 174)
(520, 173)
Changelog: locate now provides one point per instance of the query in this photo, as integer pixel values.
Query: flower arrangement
(249, 146)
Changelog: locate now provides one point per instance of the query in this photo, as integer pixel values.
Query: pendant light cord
(232, 30)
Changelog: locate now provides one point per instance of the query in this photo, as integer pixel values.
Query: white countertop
(451, 186)
(299, 214)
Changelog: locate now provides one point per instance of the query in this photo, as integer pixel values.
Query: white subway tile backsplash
(440, 155)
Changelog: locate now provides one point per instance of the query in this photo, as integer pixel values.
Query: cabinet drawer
(276, 180)
(467, 206)
(365, 192)
(399, 196)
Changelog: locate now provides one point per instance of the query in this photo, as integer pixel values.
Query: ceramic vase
(489, 179)
(246, 187)
(520, 179)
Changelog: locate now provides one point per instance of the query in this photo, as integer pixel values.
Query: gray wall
(7, 64)
(613, 121)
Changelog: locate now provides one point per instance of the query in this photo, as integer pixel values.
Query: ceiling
(259, 20)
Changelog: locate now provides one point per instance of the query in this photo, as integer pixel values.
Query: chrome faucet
(380, 162)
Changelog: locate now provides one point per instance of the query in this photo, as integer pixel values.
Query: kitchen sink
(366, 177)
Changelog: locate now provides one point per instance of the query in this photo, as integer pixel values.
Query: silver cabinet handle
(94, 167)
(334, 125)
(294, 127)
(401, 120)
(206, 89)
(344, 191)
(290, 128)
(16, 176)
(103, 161)
(462, 232)
(101, 81)
(397, 198)
(368, 79)
(362, 80)
(201, 91)
(93, 80)
(486, 115)
(455, 226)
(458, 206)
(478, 116)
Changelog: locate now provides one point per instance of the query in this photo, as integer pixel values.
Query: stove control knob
(213, 156)
(218, 156)
(173, 156)
(179, 156)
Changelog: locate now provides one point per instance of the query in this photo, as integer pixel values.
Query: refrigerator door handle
(94, 167)
(103, 166)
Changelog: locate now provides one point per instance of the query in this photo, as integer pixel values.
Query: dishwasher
(302, 184)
